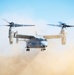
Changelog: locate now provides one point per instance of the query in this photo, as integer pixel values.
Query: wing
(24, 36)
(52, 36)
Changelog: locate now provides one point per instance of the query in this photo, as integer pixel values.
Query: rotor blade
(54, 25)
(4, 25)
(6, 20)
(69, 26)
(61, 25)
(20, 25)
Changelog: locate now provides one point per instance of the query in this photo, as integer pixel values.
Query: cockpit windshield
(41, 39)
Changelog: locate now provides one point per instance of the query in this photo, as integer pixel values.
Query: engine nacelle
(11, 38)
(63, 37)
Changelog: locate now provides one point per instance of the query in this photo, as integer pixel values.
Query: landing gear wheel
(27, 49)
(43, 49)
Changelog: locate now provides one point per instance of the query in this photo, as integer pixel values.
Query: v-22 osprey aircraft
(32, 41)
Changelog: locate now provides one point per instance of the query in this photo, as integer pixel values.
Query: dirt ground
(56, 60)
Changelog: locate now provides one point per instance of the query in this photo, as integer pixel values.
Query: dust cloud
(56, 60)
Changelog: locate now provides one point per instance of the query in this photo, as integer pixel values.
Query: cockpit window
(41, 39)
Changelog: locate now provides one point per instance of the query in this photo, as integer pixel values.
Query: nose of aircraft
(44, 43)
